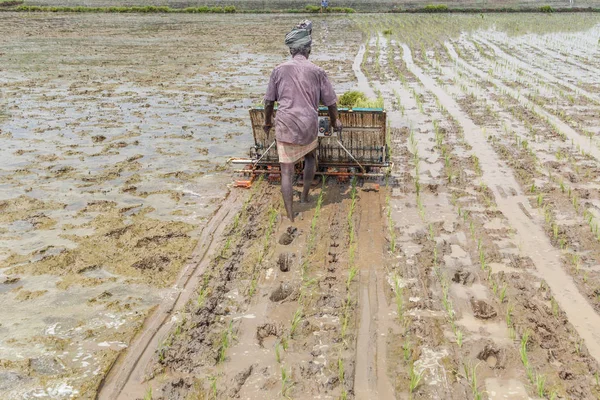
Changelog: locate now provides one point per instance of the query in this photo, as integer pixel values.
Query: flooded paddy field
(130, 270)
(115, 134)
(362, 6)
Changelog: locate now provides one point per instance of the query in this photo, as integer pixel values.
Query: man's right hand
(267, 128)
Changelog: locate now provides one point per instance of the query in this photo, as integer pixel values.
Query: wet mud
(471, 273)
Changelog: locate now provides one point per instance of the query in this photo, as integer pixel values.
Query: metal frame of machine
(361, 150)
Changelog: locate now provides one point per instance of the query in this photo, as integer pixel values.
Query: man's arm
(269, 106)
(329, 98)
(333, 117)
(270, 99)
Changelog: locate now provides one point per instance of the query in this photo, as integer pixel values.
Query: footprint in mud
(288, 236)
(285, 261)
(266, 330)
(482, 310)
(463, 277)
(495, 358)
(282, 292)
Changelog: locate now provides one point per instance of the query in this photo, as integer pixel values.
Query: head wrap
(300, 35)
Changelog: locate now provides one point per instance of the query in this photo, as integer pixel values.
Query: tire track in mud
(371, 378)
(125, 378)
(536, 245)
(577, 138)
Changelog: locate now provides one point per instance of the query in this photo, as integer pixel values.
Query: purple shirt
(298, 85)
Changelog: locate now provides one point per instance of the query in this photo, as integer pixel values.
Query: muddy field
(130, 269)
(358, 5)
(115, 134)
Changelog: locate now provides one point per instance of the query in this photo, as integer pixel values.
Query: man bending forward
(298, 86)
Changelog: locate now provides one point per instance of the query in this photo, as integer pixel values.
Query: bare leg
(309, 174)
(287, 174)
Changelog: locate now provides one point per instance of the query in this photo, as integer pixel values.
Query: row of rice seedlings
(353, 269)
(166, 343)
(470, 372)
(518, 111)
(286, 377)
(272, 217)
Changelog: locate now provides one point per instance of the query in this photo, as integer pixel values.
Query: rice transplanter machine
(360, 150)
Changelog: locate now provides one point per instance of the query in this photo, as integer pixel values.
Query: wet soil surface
(471, 273)
(116, 131)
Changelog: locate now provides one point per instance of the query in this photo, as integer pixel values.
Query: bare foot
(304, 199)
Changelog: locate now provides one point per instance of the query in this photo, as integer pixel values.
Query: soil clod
(155, 263)
(482, 310)
(11, 279)
(288, 236)
(463, 277)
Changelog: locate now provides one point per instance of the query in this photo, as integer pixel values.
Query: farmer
(298, 86)
(324, 5)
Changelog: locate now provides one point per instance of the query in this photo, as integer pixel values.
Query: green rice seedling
(523, 349)
(399, 300)
(509, 311)
(351, 274)
(277, 352)
(547, 214)
(563, 243)
(533, 188)
(471, 376)
(575, 261)
(415, 378)
(213, 386)
(540, 382)
(253, 286)
(503, 293)
(512, 334)
(286, 382)
(224, 343)
(201, 297)
(407, 350)
(459, 337)
(226, 247)
(296, 320)
(341, 370)
(236, 221)
(148, 394)
(530, 374)
(554, 305)
(597, 378)
(555, 230)
(482, 260)
(540, 200)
